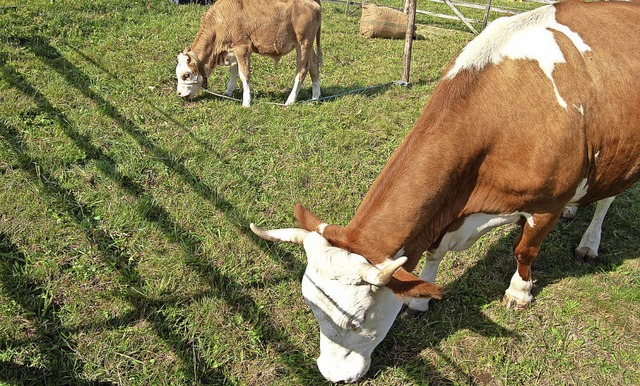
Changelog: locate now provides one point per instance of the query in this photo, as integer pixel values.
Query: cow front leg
(429, 271)
(587, 250)
(526, 248)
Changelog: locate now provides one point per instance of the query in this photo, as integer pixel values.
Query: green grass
(125, 252)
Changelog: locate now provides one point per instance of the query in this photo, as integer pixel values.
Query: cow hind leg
(587, 250)
(303, 51)
(526, 248)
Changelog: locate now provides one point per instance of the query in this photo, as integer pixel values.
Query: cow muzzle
(347, 370)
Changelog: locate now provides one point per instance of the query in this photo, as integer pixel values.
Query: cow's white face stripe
(353, 316)
(526, 36)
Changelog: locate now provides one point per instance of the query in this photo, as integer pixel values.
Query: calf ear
(405, 285)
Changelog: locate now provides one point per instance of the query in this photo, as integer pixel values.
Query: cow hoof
(585, 255)
(410, 313)
(515, 304)
(570, 212)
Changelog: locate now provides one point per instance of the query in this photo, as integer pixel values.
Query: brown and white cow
(539, 112)
(233, 29)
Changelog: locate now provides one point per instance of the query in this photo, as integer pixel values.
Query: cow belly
(475, 226)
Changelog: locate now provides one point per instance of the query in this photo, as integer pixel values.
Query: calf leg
(587, 250)
(243, 58)
(527, 246)
(314, 70)
(233, 71)
(303, 51)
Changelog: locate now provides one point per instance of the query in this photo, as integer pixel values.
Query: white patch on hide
(322, 227)
(477, 225)
(581, 191)
(293, 96)
(246, 92)
(473, 227)
(526, 36)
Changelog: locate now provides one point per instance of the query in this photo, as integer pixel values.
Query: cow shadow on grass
(329, 94)
(483, 284)
(65, 202)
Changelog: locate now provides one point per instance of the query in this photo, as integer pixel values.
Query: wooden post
(486, 14)
(408, 40)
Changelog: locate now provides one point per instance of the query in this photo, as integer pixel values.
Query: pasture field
(125, 251)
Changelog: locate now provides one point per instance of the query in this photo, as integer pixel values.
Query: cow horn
(379, 277)
(292, 235)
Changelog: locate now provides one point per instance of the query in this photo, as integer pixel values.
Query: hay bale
(382, 22)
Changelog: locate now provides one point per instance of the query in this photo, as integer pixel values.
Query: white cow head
(190, 74)
(348, 297)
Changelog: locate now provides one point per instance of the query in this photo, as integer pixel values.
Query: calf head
(349, 297)
(190, 73)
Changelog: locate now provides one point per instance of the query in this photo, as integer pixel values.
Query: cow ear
(406, 285)
(334, 234)
(305, 218)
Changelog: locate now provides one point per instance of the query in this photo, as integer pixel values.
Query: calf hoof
(514, 303)
(585, 255)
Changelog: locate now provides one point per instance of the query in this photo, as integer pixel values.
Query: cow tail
(318, 47)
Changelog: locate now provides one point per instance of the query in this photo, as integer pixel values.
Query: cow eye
(185, 76)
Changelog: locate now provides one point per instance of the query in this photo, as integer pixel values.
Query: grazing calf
(539, 112)
(233, 29)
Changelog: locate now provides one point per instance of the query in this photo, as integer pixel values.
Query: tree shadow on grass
(195, 366)
(49, 331)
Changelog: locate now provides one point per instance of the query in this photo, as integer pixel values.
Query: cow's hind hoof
(515, 304)
(585, 255)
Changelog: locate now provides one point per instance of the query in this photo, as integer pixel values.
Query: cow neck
(420, 191)
(204, 44)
